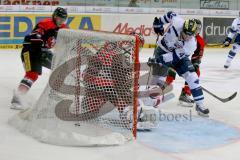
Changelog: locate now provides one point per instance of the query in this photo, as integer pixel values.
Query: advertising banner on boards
(215, 29)
(13, 27)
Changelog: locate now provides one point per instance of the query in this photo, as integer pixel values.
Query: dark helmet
(199, 25)
(197, 21)
(190, 27)
(60, 12)
(140, 37)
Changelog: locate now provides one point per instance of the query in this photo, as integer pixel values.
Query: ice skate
(16, 102)
(227, 65)
(147, 118)
(202, 110)
(185, 100)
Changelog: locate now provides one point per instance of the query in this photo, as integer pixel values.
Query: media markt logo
(125, 28)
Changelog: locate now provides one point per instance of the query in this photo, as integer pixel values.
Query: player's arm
(188, 48)
(233, 31)
(167, 18)
(35, 37)
(196, 57)
(198, 53)
(176, 55)
(40, 28)
(159, 22)
(201, 49)
(64, 26)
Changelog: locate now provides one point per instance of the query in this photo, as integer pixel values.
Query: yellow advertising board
(13, 27)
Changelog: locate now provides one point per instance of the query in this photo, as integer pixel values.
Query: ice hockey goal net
(91, 95)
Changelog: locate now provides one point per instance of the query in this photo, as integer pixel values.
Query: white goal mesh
(91, 95)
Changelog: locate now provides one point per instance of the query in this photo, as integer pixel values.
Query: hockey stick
(147, 85)
(224, 100)
(215, 45)
(149, 72)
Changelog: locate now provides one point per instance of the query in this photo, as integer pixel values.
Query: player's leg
(33, 69)
(159, 73)
(122, 101)
(171, 76)
(185, 69)
(147, 115)
(233, 52)
(158, 79)
(92, 105)
(185, 96)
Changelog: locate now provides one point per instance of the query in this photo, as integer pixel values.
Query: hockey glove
(196, 67)
(151, 61)
(158, 26)
(165, 59)
(46, 57)
(227, 42)
(34, 39)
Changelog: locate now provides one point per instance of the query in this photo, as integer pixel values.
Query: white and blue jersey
(172, 42)
(172, 39)
(235, 29)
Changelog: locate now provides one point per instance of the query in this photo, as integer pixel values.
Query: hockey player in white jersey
(173, 50)
(234, 30)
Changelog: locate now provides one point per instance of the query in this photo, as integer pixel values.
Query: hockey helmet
(190, 27)
(60, 12)
(199, 25)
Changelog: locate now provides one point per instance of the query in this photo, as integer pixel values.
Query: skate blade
(16, 106)
(184, 104)
(226, 66)
(145, 126)
(202, 114)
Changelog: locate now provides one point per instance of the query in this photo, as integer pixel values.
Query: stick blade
(230, 98)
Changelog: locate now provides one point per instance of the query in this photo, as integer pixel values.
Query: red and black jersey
(107, 67)
(48, 31)
(198, 53)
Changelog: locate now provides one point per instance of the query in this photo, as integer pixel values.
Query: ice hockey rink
(197, 138)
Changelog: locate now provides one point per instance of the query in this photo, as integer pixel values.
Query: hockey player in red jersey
(36, 54)
(107, 79)
(184, 98)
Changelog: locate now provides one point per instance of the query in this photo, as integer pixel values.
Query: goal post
(91, 95)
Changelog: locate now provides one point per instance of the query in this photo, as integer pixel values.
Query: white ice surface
(17, 146)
